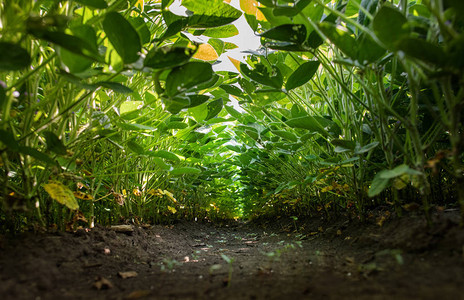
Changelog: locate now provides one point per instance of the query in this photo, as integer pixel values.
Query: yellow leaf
(62, 194)
(235, 62)
(250, 7)
(172, 209)
(170, 196)
(82, 196)
(137, 192)
(227, 1)
(206, 52)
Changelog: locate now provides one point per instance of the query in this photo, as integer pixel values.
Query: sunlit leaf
(286, 135)
(62, 194)
(206, 52)
(225, 31)
(185, 171)
(210, 13)
(235, 62)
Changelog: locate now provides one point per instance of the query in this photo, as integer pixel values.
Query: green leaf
(210, 13)
(163, 165)
(398, 171)
(262, 75)
(303, 74)
(196, 100)
(54, 144)
(390, 26)
(36, 154)
(366, 148)
(62, 194)
(293, 33)
(368, 50)
(187, 76)
(141, 27)
(129, 106)
(123, 37)
(136, 148)
(341, 38)
(176, 104)
(422, 50)
(13, 57)
(177, 125)
(115, 86)
(71, 43)
(77, 63)
(214, 108)
(168, 57)
(378, 184)
(226, 31)
(233, 112)
(164, 154)
(100, 4)
(185, 171)
(2, 95)
(310, 123)
(343, 145)
(286, 135)
(135, 127)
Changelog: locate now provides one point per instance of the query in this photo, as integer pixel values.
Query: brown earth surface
(274, 259)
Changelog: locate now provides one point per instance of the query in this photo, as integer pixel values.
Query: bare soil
(272, 259)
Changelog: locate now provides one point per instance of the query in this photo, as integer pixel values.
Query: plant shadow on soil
(343, 259)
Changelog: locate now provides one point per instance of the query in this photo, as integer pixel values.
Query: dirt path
(346, 260)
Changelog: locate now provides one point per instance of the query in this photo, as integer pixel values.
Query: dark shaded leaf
(168, 57)
(37, 155)
(293, 33)
(7, 138)
(390, 26)
(142, 29)
(54, 144)
(13, 57)
(115, 86)
(187, 76)
(422, 50)
(262, 75)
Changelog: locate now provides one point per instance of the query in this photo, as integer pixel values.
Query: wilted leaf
(101, 283)
(127, 274)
